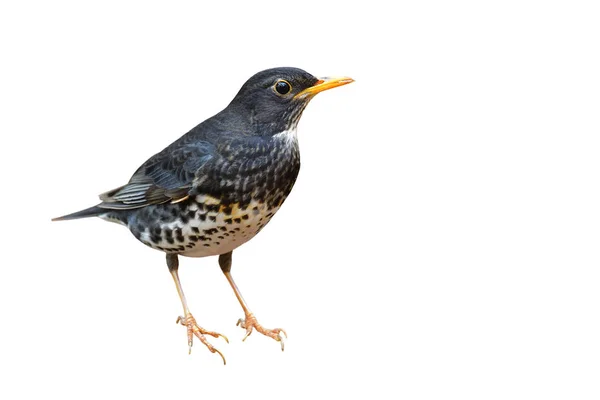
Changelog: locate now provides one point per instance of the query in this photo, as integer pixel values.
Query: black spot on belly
(202, 217)
(228, 220)
(223, 228)
(178, 234)
(194, 238)
(237, 220)
(195, 230)
(213, 218)
(245, 216)
(212, 207)
(206, 245)
(155, 238)
(227, 210)
(170, 240)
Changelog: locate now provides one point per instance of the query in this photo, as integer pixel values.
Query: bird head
(272, 101)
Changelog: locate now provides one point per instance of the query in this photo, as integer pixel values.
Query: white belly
(217, 233)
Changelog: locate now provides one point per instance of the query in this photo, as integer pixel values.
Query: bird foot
(251, 323)
(193, 329)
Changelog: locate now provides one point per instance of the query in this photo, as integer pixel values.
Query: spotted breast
(225, 208)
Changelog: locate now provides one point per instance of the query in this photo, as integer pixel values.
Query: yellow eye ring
(282, 87)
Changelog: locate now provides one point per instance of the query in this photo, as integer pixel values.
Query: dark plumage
(219, 184)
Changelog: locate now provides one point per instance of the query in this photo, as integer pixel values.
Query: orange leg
(193, 329)
(249, 322)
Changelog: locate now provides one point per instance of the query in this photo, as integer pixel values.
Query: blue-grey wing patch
(166, 177)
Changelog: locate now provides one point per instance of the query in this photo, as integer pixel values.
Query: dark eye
(283, 87)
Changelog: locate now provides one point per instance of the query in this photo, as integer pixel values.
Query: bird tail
(88, 212)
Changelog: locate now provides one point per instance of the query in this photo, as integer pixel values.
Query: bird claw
(193, 329)
(250, 323)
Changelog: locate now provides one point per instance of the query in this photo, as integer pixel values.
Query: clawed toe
(193, 329)
(250, 323)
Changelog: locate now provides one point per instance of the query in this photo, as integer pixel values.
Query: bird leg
(188, 320)
(249, 322)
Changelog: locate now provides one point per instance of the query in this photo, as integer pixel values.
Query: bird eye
(283, 87)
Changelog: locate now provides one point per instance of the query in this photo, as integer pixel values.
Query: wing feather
(166, 177)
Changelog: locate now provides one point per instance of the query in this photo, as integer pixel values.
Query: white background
(441, 240)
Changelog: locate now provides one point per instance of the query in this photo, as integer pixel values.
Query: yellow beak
(324, 84)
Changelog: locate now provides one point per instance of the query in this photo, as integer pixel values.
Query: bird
(218, 185)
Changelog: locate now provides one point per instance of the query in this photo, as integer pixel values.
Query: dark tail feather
(88, 212)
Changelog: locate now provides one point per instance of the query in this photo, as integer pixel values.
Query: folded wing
(166, 177)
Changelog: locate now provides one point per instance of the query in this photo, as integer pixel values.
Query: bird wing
(166, 177)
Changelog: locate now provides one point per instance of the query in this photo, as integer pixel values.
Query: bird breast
(242, 199)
